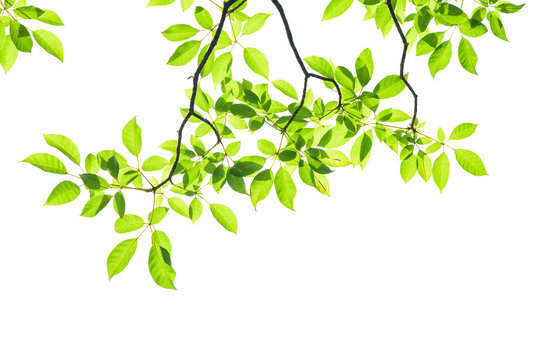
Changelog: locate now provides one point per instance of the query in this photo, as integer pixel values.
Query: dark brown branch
(403, 61)
(307, 75)
(196, 78)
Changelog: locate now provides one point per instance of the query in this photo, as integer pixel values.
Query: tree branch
(196, 78)
(307, 75)
(403, 61)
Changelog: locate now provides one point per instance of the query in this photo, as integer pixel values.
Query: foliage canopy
(316, 135)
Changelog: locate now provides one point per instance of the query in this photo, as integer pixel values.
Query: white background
(381, 270)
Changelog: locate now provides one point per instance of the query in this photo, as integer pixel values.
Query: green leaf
(195, 210)
(448, 14)
(408, 168)
(335, 158)
(321, 183)
(221, 68)
(285, 188)
(261, 186)
(91, 164)
(180, 32)
(424, 166)
(496, 25)
(154, 163)
(389, 87)
(345, 78)
(361, 150)
(470, 162)
(422, 19)
(392, 115)
(20, 36)
(159, 2)
(383, 20)
(441, 135)
(64, 192)
(463, 131)
(467, 56)
(255, 23)
(132, 137)
(507, 7)
(256, 61)
(159, 261)
(186, 4)
(473, 28)
(440, 171)
(364, 67)
(113, 166)
(157, 215)
(236, 183)
(119, 203)
(218, 178)
(242, 110)
(203, 18)
(50, 43)
(120, 256)
(95, 205)
(65, 145)
(184, 53)
(179, 206)
(128, 223)
(45, 16)
(225, 217)
(440, 58)
(433, 148)
(47, 162)
(247, 165)
(286, 88)
(336, 8)
(266, 147)
(94, 182)
(320, 65)
(8, 53)
(428, 43)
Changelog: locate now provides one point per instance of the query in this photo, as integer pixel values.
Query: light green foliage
(389, 87)
(120, 256)
(364, 67)
(180, 32)
(47, 162)
(50, 43)
(285, 188)
(255, 23)
(256, 61)
(65, 145)
(184, 53)
(440, 58)
(336, 8)
(440, 171)
(470, 162)
(463, 131)
(64, 192)
(286, 88)
(305, 149)
(128, 223)
(132, 137)
(159, 261)
(467, 56)
(225, 217)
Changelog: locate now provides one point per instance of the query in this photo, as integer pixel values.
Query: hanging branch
(403, 60)
(306, 73)
(196, 78)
